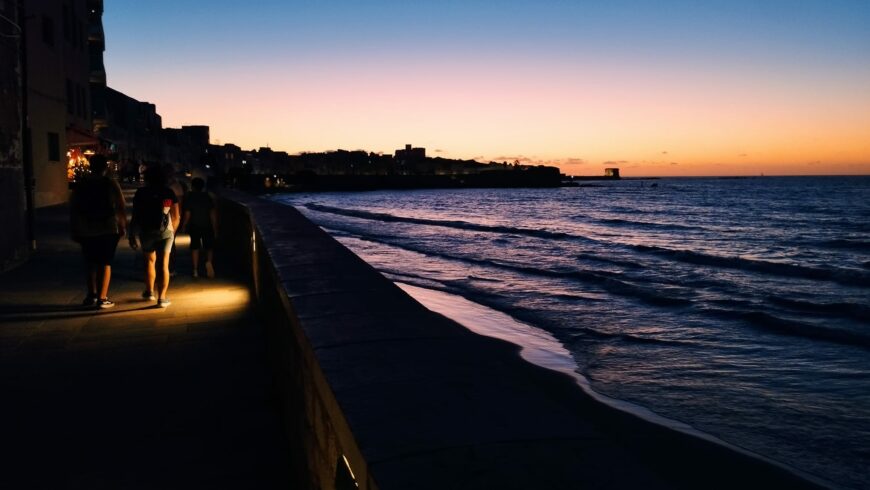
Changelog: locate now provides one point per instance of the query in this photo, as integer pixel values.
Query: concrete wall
(410, 399)
(13, 238)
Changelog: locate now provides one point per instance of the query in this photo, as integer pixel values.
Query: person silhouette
(98, 220)
(155, 219)
(200, 220)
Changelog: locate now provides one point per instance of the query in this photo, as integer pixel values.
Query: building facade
(132, 130)
(13, 204)
(187, 148)
(59, 120)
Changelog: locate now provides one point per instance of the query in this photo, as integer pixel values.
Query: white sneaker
(163, 303)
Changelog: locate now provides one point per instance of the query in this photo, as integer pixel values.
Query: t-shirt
(200, 205)
(93, 206)
(151, 206)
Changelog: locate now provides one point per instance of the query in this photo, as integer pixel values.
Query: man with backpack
(155, 219)
(98, 220)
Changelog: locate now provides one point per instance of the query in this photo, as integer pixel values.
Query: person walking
(174, 182)
(200, 220)
(155, 219)
(98, 220)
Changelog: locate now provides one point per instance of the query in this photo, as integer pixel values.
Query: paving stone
(109, 399)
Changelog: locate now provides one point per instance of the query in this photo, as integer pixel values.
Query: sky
(656, 88)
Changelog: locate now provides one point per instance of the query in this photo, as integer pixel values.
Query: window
(48, 30)
(53, 147)
(70, 97)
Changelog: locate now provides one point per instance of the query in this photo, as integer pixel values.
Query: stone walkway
(133, 396)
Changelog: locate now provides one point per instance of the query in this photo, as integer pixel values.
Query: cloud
(817, 162)
(438, 150)
(743, 155)
(615, 162)
(524, 160)
(675, 163)
(664, 153)
(517, 158)
(573, 161)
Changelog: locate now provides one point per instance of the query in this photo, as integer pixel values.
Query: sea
(737, 308)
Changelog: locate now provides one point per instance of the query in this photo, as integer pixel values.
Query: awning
(78, 137)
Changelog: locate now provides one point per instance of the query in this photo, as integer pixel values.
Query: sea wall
(379, 392)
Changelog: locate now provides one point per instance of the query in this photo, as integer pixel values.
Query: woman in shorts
(155, 219)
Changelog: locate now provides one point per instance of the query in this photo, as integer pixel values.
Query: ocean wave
(606, 260)
(842, 276)
(846, 310)
(602, 279)
(458, 224)
(648, 224)
(591, 333)
(483, 279)
(845, 244)
(771, 323)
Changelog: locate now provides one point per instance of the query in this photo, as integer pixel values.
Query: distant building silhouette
(411, 160)
(131, 129)
(611, 172)
(225, 158)
(187, 148)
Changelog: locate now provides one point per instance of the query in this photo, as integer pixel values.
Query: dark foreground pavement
(133, 396)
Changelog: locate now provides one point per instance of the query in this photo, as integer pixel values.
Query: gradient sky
(667, 87)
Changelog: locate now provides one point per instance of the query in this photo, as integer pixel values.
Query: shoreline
(532, 340)
(402, 391)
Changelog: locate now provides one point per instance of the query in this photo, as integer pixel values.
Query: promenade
(133, 396)
(373, 386)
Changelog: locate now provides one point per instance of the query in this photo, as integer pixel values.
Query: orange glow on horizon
(645, 122)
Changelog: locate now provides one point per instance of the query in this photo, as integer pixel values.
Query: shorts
(156, 243)
(100, 249)
(201, 237)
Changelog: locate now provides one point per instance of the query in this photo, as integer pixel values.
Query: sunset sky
(667, 87)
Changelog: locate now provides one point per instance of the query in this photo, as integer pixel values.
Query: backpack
(151, 210)
(94, 198)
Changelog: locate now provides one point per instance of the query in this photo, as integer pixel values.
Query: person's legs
(194, 256)
(208, 244)
(172, 258)
(163, 255)
(209, 267)
(107, 244)
(90, 271)
(195, 245)
(106, 277)
(92, 280)
(150, 271)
